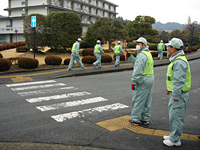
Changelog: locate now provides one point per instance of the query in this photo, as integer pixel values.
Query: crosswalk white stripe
(63, 117)
(55, 97)
(38, 87)
(45, 91)
(71, 104)
(30, 83)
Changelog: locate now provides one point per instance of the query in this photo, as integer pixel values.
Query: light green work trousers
(177, 112)
(98, 62)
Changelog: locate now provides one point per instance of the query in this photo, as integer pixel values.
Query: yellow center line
(122, 123)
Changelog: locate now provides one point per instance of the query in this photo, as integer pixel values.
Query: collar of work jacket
(146, 48)
(175, 55)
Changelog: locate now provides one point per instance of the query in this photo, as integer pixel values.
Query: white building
(88, 10)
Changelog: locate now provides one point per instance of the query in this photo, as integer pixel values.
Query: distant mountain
(168, 26)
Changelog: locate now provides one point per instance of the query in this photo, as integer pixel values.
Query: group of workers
(178, 82)
(97, 52)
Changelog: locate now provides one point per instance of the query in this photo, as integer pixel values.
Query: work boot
(198, 138)
(144, 122)
(169, 143)
(134, 123)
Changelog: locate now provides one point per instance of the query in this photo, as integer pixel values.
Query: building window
(67, 4)
(100, 13)
(94, 2)
(100, 4)
(23, 14)
(93, 20)
(85, 9)
(106, 6)
(112, 8)
(93, 11)
(85, 19)
(77, 7)
(86, 1)
(106, 14)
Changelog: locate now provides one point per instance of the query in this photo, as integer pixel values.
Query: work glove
(133, 86)
(128, 54)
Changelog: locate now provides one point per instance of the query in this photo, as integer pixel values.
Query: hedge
(88, 52)
(22, 49)
(89, 59)
(28, 63)
(122, 57)
(66, 61)
(131, 45)
(11, 45)
(4, 64)
(152, 46)
(53, 60)
(106, 58)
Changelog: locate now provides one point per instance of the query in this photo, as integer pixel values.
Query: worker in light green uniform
(117, 51)
(97, 52)
(75, 55)
(161, 48)
(142, 82)
(178, 81)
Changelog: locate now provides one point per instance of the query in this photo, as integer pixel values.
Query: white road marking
(71, 104)
(45, 91)
(30, 83)
(66, 116)
(38, 87)
(55, 97)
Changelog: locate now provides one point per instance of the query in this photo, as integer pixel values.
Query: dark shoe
(134, 123)
(69, 69)
(144, 122)
(198, 138)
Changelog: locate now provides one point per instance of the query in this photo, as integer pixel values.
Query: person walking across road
(117, 51)
(161, 48)
(97, 52)
(75, 55)
(142, 82)
(178, 81)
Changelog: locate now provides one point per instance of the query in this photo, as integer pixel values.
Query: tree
(65, 28)
(40, 31)
(141, 26)
(109, 30)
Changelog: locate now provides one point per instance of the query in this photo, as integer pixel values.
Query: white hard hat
(79, 39)
(119, 42)
(142, 40)
(98, 41)
(176, 43)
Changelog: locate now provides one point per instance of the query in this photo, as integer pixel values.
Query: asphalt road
(66, 110)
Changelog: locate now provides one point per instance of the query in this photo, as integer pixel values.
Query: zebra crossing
(70, 93)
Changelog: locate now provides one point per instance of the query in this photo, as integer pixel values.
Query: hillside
(168, 26)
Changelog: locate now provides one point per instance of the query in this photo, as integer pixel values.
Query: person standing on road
(161, 48)
(117, 51)
(97, 52)
(178, 81)
(75, 55)
(142, 82)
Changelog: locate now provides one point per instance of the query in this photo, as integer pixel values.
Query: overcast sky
(163, 11)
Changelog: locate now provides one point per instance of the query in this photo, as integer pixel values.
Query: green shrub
(106, 58)
(131, 45)
(4, 64)
(152, 46)
(1, 56)
(66, 61)
(53, 60)
(122, 57)
(28, 63)
(22, 49)
(88, 51)
(89, 59)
